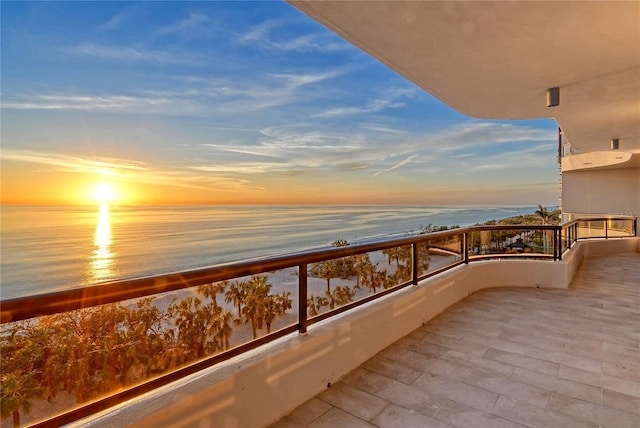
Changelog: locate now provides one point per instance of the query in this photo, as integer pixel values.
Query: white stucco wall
(607, 191)
(257, 388)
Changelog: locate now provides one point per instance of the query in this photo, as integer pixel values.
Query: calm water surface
(52, 248)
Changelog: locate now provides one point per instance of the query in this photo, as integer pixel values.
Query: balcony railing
(113, 341)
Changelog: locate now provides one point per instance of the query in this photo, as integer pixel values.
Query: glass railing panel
(337, 282)
(437, 254)
(618, 228)
(511, 242)
(62, 361)
(591, 229)
(566, 238)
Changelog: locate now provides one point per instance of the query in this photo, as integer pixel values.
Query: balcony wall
(602, 191)
(260, 386)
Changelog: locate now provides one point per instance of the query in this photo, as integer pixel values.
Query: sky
(237, 103)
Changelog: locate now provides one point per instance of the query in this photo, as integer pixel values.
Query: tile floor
(505, 358)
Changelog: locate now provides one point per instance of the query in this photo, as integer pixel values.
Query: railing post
(302, 298)
(414, 258)
(606, 229)
(465, 250)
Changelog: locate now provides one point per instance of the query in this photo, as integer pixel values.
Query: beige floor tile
(573, 389)
(536, 417)
(461, 416)
(408, 396)
(601, 415)
(623, 402)
(353, 400)
(613, 383)
(304, 415)
(391, 368)
(472, 396)
(510, 388)
(338, 418)
(525, 362)
(398, 417)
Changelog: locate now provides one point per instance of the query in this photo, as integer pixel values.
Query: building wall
(602, 191)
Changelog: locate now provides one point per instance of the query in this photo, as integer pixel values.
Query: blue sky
(238, 102)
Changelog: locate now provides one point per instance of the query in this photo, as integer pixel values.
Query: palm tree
(236, 294)
(326, 270)
(254, 303)
(543, 214)
(17, 391)
(315, 304)
(219, 329)
(212, 290)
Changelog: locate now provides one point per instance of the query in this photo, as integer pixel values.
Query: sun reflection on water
(102, 257)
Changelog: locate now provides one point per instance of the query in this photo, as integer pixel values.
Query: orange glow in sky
(168, 103)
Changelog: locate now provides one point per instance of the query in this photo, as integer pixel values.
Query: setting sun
(104, 193)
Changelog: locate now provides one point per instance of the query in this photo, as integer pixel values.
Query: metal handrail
(116, 291)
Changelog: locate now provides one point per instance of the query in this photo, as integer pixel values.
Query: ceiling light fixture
(553, 97)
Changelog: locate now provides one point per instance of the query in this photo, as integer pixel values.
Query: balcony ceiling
(495, 60)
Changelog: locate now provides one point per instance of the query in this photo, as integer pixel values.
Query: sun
(104, 192)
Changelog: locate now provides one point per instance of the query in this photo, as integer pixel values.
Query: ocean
(46, 248)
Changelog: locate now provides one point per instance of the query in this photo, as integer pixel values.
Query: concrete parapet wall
(257, 388)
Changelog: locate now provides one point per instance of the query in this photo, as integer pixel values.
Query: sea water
(45, 248)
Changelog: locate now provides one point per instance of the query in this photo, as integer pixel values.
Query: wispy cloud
(132, 171)
(114, 22)
(264, 34)
(133, 54)
(398, 165)
(536, 156)
(83, 102)
(389, 98)
(195, 25)
(373, 107)
(70, 163)
(458, 139)
(203, 97)
(260, 31)
(378, 128)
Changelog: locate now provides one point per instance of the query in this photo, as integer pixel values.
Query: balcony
(280, 370)
(505, 357)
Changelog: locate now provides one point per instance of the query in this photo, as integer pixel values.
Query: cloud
(204, 97)
(263, 34)
(195, 25)
(377, 128)
(398, 165)
(133, 54)
(373, 107)
(70, 163)
(132, 171)
(296, 80)
(536, 156)
(476, 134)
(85, 102)
(389, 98)
(260, 31)
(114, 22)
